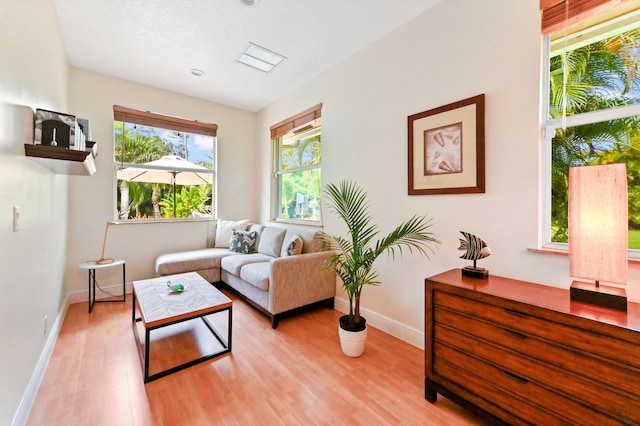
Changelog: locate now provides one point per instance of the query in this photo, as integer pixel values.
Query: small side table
(92, 266)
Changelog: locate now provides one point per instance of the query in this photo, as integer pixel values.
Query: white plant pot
(352, 342)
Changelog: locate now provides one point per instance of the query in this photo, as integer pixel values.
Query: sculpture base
(608, 297)
(470, 271)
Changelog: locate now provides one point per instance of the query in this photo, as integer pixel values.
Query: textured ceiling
(157, 42)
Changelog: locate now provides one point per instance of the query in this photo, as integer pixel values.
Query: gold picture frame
(446, 149)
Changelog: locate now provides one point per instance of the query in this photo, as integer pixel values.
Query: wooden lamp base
(600, 295)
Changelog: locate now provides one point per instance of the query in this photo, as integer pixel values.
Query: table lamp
(598, 233)
(102, 260)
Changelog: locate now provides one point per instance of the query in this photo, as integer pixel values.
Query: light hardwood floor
(293, 375)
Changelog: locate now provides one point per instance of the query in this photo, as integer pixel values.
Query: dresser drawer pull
(515, 376)
(516, 313)
(515, 333)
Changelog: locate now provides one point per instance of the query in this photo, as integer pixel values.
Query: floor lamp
(102, 260)
(598, 233)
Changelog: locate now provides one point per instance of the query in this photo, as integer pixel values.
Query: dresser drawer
(504, 405)
(533, 402)
(622, 351)
(590, 393)
(525, 353)
(608, 373)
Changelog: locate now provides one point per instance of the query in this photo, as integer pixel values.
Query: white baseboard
(83, 295)
(403, 332)
(29, 397)
(30, 393)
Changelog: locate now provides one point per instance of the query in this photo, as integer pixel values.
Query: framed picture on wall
(446, 149)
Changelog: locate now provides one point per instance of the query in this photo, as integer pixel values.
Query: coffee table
(160, 307)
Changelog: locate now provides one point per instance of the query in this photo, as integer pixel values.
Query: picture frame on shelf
(54, 129)
(446, 149)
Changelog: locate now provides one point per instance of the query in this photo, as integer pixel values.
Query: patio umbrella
(170, 169)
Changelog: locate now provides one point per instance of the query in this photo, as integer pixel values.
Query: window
(592, 109)
(297, 167)
(165, 165)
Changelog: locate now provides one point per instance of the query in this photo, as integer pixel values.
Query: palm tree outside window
(141, 140)
(592, 115)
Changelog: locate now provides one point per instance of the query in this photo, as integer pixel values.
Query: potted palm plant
(355, 254)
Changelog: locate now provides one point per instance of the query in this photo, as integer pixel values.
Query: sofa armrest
(296, 281)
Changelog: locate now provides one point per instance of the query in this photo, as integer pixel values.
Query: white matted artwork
(443, 150)
(446, 149)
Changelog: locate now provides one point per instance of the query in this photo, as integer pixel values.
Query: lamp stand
(600, 295)
(599, 234)
(102, 260)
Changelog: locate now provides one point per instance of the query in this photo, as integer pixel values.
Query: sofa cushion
(192, 260)
(224, 230)
(243, 241)
(292, 245)
(311, 239)
(271, 241)
(256, 274)
(232, 264)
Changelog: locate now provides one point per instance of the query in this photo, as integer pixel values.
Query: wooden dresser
(524, 353)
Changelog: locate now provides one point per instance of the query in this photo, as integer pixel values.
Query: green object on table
(175, 287)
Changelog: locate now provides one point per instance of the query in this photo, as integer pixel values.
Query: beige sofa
(266, 270)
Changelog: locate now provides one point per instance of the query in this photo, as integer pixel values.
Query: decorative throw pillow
(243, 242)
(224, 229)
(271, 240)
(294, 246)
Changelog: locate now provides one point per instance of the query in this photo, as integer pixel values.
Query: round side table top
(92, 264)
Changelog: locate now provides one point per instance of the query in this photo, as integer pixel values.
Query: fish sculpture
(475, 248)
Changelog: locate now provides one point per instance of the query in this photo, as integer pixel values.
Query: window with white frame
(592, 110)
(297, 150)
(164, 165)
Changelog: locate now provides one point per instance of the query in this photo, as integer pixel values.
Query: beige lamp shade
(598, 223)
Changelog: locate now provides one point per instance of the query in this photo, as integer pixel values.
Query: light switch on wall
(16, 218)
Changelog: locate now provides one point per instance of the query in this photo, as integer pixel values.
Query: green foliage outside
(300, 189)
(601, 75)
(155, 200)
(189, 199)
(634, 239)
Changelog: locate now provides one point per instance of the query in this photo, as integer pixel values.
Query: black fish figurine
(475, 248)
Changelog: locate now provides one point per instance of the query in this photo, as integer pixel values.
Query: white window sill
(559, 252)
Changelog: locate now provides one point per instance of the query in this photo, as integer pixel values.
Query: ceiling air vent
(260, 58)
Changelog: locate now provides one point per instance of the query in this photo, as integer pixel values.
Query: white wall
(92, 199)
(34, 73)
(456, 50)
(63, 217)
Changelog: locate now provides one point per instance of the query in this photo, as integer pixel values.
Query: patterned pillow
(295, 246)
(243, 242)
(224, 228)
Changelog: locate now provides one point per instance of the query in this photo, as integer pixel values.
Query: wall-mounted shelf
(64, 161)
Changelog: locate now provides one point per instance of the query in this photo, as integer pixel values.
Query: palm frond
(354, 256)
